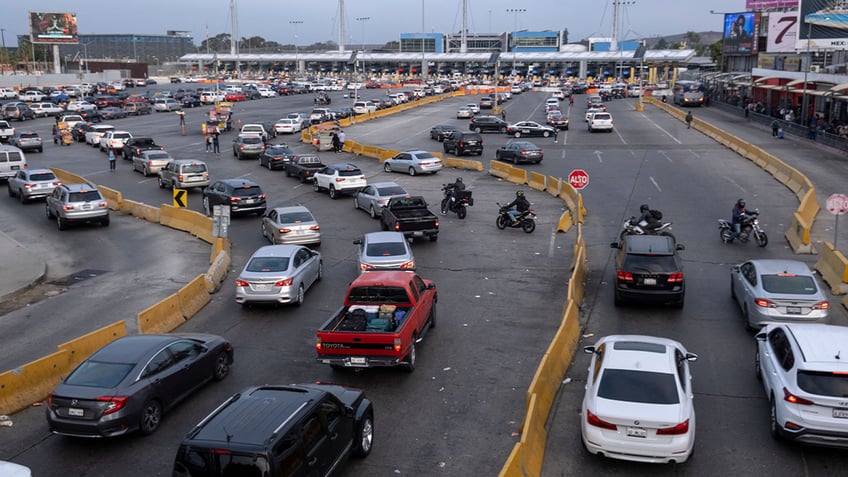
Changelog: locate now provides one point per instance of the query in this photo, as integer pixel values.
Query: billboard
(53, 27)
(740, 33)
(766, 4)
(823, 24)
(782, 32)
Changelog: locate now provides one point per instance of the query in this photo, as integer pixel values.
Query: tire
(222, 366)
(320, 271)
(104, 221)
(546, 134)
(433, 315)
(373, 212)
(387, 167)
(61, 223)
(517, 134)
(773, 427)
(151, 417)
(412, 171)
(617, 300)
(356, 202)
(21, 196)
(315, 186)
(364, 436)
(434, 238)
(409, 361)
(501, 221)
(723, 234)
(461, 213)
(528, 226)
(206, 208)
(40, 149)
(333, 193)
(47, 211)
(299, 298)
(145, 172)
(478, 130)
(161, 182)
(761, 238)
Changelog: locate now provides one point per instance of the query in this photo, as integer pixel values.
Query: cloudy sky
(387, 19)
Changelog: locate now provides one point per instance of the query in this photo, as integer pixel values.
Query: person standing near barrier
(112, 162)
(341, 139)
(689, 120)
(775, 126)
(208, 143)
(216, 146)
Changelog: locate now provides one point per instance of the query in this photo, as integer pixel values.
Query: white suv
(806, 381)
(339, 178)
(600, 121)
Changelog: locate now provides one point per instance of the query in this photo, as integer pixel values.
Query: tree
(715, 51)
(220, 43)
(661, 44)
(692, 38)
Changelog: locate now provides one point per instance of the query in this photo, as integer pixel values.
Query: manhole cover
(78, 277)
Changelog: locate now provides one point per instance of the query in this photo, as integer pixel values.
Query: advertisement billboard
(824, 23)
(766, 4)
(50, 27)
(782, 32)
(740, 33)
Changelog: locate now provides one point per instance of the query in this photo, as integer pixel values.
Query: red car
(235, 96)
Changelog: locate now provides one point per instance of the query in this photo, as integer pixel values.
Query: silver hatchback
(385, 251)
(30, 184)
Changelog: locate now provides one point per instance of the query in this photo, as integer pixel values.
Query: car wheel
(388, 167)
(61, 223)
(364, 435)
(299, 298)
(145, 172)
(222, 366)
(315, 185)
(104, 221)
(433, 238)
(40, 149)
(161, 182)
(206, 208)
(320, 274)
(333, 192)
(477, 129)
(517, 134)
(773, 426)
(356, 202)
(412, 171)
(502, 130)
(373, 212)
(151, 417)
(546, 133)
(409, 361)
(47, 211)
(432, 319)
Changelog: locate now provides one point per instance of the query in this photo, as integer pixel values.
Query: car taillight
(762, 302)
(115, 403)
(241, 148)
(822, 305)
(29, 186)
(286, 282)
(315, 227)
(235, 199)
(789, 397)
(596, 421)
(681, 428)
(180, 178)
(624, 276)
(676, 277)
(284, 231)
(365, 266)
(397, 226)
(339, 179)
(241, 283)
(261, 196)
(317, 343)
(408, 265)
(397, 345)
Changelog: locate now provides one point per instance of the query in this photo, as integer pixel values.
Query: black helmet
(459, 179)
(644, 208)
(740, 202)
(519, 193)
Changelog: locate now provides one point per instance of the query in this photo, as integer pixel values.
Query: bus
(688, 93)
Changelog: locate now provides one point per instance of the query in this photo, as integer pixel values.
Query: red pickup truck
(385, 314)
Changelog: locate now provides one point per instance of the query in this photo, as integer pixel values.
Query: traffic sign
(578, 179)
(837, 204)
(180, 198)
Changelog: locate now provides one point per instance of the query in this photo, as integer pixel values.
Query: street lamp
(85, 55)
(3, 36)
(294, 24)
(804, 99)
(361, 20)
(515, 12)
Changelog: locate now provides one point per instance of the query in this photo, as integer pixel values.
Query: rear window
(84, 196)
(385, 249)
(281, 150)
(121, 136)
(603, 116)
(158, 155)
(638, 386)
(378, 294)
(28, 135)
(789, 284)
(99, 375)
(199, 463)
(268, 264)
(823, 383)
(350, 172)
(649, 263)
(427, 155)
(252, 140)
(296, 217)
(391, 190)
(193, 168)
(248, 191)
(43, 176)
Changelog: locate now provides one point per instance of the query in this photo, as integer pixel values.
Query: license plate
(637, 432)
(194, 179)
(793, 310)
(15, 168)
(840, 413)
(358, 361)
(650, 281)
(86, 206)
(262, 287)
(248, 201)
(76, 412)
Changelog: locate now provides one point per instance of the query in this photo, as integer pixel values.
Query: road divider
(833, 267)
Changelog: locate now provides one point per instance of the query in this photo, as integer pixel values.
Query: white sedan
(638, 404)
(287, 126)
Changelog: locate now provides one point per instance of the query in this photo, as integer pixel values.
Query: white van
(12, 160)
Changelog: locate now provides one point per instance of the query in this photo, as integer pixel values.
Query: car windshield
(42, 176)
(649, 263)
(385, 249)
(823, 383)
(390, 190)
(789, 284)
(638, 386)
(84, 196)
(268, 264)
(296, 217)
(99, 375)
(252, 140)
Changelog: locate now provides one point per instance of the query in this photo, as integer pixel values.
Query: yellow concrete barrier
(499, 169)
(68, 177)
(833, 267)
(189, 221)
(569, 195)
(517, 176)
(81, 348)
(533, 439)
(140, 210)
(162, 317)
(537, 181)
(554, 186)
(31, 383)
(193, 296)
(512, 467)
(170, 216)
(565, 222)
(112, 196)
(218, 245)
(217, 271)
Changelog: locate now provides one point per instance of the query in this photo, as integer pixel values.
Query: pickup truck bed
(411, 216)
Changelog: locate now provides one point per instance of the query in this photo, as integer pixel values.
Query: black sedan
(276, 156)
(128, 384)
(529, 128)
(520, 151)
(190, 101)
(440, 131)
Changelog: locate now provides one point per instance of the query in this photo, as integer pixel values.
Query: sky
(386, 19)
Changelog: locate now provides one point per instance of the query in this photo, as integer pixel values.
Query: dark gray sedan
(373, 197)
(520, 151)
(128, 384)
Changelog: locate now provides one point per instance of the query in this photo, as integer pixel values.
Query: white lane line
(729, 179)
(552, 245)
(665, 156)
(663, 130)
(655, 184)
(598, 154)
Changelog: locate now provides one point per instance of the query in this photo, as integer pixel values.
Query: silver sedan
(373, 197)
(151, 162)
(291, 225)
(777, 291)
(413, 163)
(385, 251)
(29, 184)
(278, 274)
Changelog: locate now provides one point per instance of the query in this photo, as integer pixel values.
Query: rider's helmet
(519, 193)
(644, 208)
(459, 179)
(740, 202)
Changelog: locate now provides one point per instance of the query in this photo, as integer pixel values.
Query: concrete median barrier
(220, 244)
(798, 234)
(81, 348)
(112, 196)
(537, 181)
(533, 439)
(512, 467)
(833, 267)
(68, 177)
(217, 271)
(499, 169)
(162, 317)
(194, 296)
(565, 222)
(31, 383)
(140, 210)
(554, 186)
(517, 176)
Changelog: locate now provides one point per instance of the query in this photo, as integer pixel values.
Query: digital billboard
(823, 25)
(740, 33)
(767, 4)
(50, 27)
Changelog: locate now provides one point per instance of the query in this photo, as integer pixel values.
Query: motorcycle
(456, 202)
(628, 228)
(525, 221)
(750, 226)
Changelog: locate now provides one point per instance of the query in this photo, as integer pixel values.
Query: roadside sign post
(220, 220)
(837, 204)
(579, 179)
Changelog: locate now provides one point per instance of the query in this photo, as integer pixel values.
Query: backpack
(656, 214)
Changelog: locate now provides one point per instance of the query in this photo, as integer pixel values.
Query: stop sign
(837, 204)
(578, 179)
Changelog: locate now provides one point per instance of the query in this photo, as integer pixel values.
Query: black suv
(243, 196)
(297, 430)
(487, 124)
(461, 142)
(648, 269)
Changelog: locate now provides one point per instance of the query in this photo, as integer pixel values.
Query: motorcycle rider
(450, 191)
(517, 206)
(739, 212)
(646, 216)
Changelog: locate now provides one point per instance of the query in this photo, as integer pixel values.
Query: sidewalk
(21, 268)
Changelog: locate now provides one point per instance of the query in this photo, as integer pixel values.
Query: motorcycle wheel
(444, 206)
(460, 212)
(724, 234)
(761, 238)
(501, 222)
(528, 226)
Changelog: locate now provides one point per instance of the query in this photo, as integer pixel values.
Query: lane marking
(666, 156)
(655, 184)
(661, 129)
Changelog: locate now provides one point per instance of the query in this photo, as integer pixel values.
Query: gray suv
(183, 174)
(19, 111)
(77, 203)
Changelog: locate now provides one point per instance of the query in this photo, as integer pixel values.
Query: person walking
(503, 114)
(341, 140)
(216, 146)
(689, 120)
(775, 127)
(112, 162)
(571, 99)
(56, 136)
(208, 143)
(556, 133)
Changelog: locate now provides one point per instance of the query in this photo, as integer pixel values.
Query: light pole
(515, 12)
(804, 99)
(85, 56)
(361, 20)
(3, 36)
(294, 24)
(713, 12)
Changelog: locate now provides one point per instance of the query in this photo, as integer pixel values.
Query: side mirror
(357, 242)
(680, 247)
(615, 245)
(589, 349)
(691, 357)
